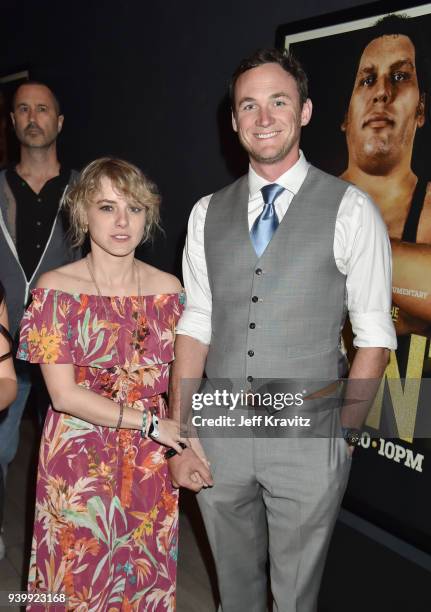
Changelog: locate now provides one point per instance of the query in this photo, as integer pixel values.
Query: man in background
(32, 227)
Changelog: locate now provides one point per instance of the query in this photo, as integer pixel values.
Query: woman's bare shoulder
(69, 278)
(157, 281)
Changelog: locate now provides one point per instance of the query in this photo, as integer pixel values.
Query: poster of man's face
(379, 70)
(386, 106)
(370, 88)
(369, 81)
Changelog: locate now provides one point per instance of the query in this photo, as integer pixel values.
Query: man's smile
(265, 135)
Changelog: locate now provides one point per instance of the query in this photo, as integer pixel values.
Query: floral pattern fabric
(106, 517)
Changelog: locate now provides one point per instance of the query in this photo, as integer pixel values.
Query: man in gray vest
(271, 265)
(32, 226)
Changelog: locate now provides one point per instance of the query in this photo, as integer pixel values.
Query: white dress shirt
(362, 252)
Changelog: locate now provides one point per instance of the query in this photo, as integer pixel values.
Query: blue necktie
(267, 222)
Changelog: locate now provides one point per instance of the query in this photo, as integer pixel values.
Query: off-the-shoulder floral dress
(105, 529)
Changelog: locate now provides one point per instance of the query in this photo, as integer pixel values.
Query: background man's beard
(34, 144)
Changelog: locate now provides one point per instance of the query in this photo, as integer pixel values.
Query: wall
(147, 83)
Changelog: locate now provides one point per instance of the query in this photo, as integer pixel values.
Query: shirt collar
(291, 180)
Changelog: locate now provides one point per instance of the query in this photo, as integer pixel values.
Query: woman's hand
(170, 434)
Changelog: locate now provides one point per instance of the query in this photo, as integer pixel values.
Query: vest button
(249, 378)
(259, 271)
(250, 353)
(252, 325)
(254, 299)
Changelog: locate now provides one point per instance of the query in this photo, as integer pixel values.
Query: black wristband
(172, 452)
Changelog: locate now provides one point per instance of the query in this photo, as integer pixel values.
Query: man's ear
(60, 120)
(12, 118)
(306, 112)
(234, 123)
(343, 126)
(420, 110)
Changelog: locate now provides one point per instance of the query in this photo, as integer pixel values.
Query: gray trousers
(273, 500)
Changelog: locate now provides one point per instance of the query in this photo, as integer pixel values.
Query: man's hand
(350, 449)
(189, 471)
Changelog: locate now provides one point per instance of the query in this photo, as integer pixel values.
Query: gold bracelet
(120, 418)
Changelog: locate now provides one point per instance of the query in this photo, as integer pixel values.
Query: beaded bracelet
(120, 417)
(144, 424)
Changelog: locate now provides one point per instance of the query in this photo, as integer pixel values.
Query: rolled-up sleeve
(196, 318)
(363, 252)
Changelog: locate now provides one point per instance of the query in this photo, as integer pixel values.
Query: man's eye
(247, 107)
(369, 80)
(280, 103)
(42, 109)
(397, 77)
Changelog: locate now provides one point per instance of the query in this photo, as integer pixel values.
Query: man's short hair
(53, 94)
(286, 60)
(402, 25)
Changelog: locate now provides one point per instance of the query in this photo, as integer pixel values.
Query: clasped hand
(170, 434)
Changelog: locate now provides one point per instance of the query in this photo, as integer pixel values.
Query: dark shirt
(35, 215)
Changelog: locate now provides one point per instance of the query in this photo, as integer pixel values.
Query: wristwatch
(154, 431)
(172, 452)
(352, 436)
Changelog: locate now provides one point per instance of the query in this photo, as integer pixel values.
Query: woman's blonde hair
(127, 179)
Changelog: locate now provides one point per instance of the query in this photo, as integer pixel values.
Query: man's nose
(383, 90)
(264, 117)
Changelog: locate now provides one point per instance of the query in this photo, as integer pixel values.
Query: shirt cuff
(196, 325)
(373, 329)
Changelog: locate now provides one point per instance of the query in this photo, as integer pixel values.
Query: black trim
(383, 537)
(412, 222)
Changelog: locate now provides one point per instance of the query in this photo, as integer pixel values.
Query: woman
(103, 329)
(8, 387)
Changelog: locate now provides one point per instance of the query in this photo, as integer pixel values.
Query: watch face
(353, 438)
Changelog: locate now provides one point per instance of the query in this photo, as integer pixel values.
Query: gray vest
(279, 316)
(57, 252)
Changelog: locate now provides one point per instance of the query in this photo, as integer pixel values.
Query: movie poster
(371, 125)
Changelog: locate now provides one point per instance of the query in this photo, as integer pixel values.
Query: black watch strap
(172, 452)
